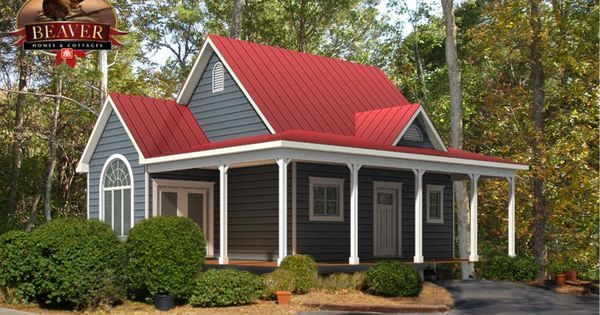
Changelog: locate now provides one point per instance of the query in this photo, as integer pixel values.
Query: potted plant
(557, 268)
(570, 270)
(283, 297)
(164, 302)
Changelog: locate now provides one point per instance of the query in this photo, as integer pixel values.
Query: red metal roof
(299, 91)
(158, 126)
(385, 124)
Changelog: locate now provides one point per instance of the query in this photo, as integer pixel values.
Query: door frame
(398, 187)
(183, 185)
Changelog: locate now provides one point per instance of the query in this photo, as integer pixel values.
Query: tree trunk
(17, 136)
(538, 141)
(103, 68)
(236, 19)
(52, 148)
(456, 138)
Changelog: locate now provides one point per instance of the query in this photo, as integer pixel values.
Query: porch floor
(323, 267)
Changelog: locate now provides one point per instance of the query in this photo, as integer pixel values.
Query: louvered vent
(413, 133)
(218, 82)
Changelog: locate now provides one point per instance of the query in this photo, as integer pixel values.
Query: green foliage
(164, 254)
(79, 263)
(342, 282)
(304, 269)
(278, 280)
(393, 278)
(226, 287)
(17, 263)
(502, 267)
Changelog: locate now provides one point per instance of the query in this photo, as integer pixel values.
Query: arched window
(116, 190)
(413, 133)
(217, 78)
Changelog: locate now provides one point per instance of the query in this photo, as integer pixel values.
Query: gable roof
(299, 91)
(385, 124)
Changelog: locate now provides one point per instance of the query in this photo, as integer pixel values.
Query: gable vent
(413, 133)
(217, 78)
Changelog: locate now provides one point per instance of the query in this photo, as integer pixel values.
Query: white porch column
(354, 259)
(474, 256)
(511, 216)
(282, 163)
(223, 257)
(418, 215)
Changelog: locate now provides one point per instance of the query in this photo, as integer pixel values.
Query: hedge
(502, 267)
(393, 278)
(17, 264)
(304, 269)
(226, 287)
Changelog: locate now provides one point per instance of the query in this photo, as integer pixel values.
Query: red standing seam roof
(159, 127)
(299, 91)
(384, 125)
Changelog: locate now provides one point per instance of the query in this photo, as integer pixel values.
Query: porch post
(223, 257)
(474, 256)
(511, 216)
(354, 259)
(418, 215)
(282, 163)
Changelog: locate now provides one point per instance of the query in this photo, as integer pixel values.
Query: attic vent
(217, 78)
(413, 133)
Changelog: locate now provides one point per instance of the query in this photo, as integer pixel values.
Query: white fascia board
(194, 77)
(109, 106)
(431, 131)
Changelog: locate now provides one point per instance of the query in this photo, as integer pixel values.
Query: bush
(79, 263)
(508, 268)
(226, 287)
(164, 255)
(393, 278)
(304, 269)
(17, 263)
(278, 280)
(342, 282)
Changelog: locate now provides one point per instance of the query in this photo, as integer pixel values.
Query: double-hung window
(326, 199)
(435, 204)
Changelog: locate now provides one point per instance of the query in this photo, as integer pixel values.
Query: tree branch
(66, 98)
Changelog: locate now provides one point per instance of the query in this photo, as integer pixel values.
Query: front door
(386, 219)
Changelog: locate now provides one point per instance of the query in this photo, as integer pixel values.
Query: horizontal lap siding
(114, 140)
(226, 114)
(331, 240)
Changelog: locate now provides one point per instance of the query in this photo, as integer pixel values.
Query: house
(272, 151)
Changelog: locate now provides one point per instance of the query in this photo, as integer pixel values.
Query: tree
(236, 19)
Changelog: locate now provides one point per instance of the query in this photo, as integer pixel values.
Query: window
(218, 81)
(435, 204)
(413, 133)
(326, 199)
(116, 192)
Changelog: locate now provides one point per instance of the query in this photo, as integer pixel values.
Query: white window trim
(312, 181)
(175, 185)
(101, 190)
(387, 185)
(214, 77)
(440, 189)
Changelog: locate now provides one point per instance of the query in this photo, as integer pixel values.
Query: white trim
(221, 86)
(182, 188)
(418, 258)
(223, 216)
(394, 186)
(511, 216)
(354, 168)
(473, 256)
(339, 182)
(87, 196)
(294, 207)
(436, 140)
(101, 189)
(440, 189)
(195, 75)
(90, 147)
(146, 193)
(283, 227)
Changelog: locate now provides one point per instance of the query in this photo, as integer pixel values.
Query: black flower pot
(163, 302)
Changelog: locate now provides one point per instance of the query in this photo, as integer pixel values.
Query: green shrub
(164, 255)
(342, 282)
(393, 278)
(226, 287)
(508, 268)
(80, 263)
(17, 263)
(278, 280)
(304, 269)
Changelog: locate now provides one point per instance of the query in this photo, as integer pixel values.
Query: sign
(67, 29)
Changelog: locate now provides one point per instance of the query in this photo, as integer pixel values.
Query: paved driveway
(496, 297)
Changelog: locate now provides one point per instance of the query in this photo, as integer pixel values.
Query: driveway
(497, 297)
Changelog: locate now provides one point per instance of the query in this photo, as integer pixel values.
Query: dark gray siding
(115, 140)
(426, 143)
(331, 240)
(226, 114)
